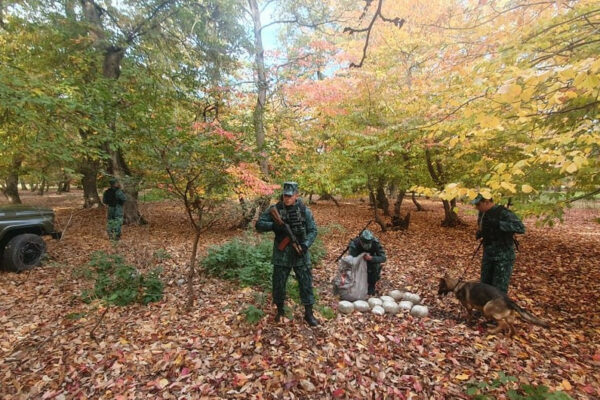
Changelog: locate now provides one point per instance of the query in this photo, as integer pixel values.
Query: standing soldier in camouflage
(497, 226)
(114, 198)
(295, 231)
(367, 243)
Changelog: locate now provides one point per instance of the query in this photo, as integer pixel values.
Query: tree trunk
(131, 211)
(328, 196)
(23, 185)
(33, 188)
(398, 203)
(261, 86)
(89, 169)
(450, 217)
(382, 200)
(64, 185)
(192, 272)
(378, 219)
(12, 181)
(42, 188)
(416, 203)
(111, 69)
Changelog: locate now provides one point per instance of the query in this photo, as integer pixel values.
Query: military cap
(366, 239)
(290, 188)
(478, 198)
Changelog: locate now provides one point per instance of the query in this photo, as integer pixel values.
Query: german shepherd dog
(493, 303)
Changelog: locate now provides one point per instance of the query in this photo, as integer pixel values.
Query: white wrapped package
(396, 294)
(387, 298)
(378, 310)
(412, 297)
(361, 305)
(374, 301)
(405, 305)
(419, 311)
(391, 307)
(345, 307)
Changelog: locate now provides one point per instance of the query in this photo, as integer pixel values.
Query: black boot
(309, 317)
(280, 312)
(371, 290)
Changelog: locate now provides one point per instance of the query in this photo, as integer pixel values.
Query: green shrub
(121, 284)
(482, 390)
(253, 314)
(247, 260)
(326, 312)
(161, 255)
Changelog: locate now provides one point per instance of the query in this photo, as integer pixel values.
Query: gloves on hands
(278, 228)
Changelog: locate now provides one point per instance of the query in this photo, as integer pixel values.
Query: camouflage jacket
(114, 199)
(497, 227)
(376, 251)
(288, 256)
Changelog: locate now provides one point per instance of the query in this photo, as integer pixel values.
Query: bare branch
(491, 19)
(398, 22)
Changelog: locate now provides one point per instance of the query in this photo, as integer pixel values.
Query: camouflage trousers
(497, 266)
(114, 222)
(373, 273)
(303, 274)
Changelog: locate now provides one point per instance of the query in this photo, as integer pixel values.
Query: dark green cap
(366, 236)
(477, 199)
(290, 188)
(366, 239)
(112, 181)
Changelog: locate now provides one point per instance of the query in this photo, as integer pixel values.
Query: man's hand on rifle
(277, 228)
(368, 257)
(304, 248)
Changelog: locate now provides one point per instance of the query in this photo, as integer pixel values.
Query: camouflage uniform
(375, 249)
(496, 229)
(114, 198)
(300, 219)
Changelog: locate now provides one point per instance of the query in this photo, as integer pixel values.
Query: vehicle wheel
(23, 252)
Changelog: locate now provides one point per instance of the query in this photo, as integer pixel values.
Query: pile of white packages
(394, 303)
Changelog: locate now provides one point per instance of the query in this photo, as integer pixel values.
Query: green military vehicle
(21, 229)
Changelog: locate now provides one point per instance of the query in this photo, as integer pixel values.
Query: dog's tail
(526, 315)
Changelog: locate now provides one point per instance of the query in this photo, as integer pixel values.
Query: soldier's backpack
(351, 283)
(110, 197)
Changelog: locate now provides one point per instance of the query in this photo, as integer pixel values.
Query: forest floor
(161, 351)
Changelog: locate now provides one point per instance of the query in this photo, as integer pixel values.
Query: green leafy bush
(483, 390)
(253, 314)
(121, 284)
(247, 259)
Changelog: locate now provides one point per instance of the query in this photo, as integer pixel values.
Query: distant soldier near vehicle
(295, 231)
(114, 198)
(497, 226)
(367, 243)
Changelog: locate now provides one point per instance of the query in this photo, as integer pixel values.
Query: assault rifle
(290, 238)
